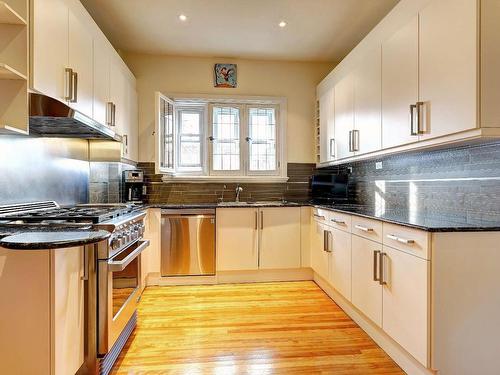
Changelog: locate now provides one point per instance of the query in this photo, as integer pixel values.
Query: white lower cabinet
(252, 238)
(320, 257)
(406, 301)
(237, 236)
(279, 238)
(390, 287)
(340, 263)
(366, 284)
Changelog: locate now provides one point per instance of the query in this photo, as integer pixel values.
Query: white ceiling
(317, 30)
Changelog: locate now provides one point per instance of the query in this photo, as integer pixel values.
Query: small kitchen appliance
(134, 188)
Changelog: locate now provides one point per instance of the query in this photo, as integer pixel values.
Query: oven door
(119, 289)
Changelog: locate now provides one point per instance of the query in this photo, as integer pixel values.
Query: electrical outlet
(378, 165)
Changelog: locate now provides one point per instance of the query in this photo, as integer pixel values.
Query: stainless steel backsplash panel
(33, 169)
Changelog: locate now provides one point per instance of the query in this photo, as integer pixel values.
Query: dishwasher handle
(169, 216)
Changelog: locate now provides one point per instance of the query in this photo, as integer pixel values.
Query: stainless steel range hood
(52, 118)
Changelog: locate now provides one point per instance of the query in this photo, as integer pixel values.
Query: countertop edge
(48, 245)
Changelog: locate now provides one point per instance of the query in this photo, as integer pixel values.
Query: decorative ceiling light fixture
(282, 24)
(183, 17)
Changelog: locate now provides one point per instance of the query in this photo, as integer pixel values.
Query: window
(221, 138)
(190, 129)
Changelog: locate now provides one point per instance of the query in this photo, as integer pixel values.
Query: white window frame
(203, 111)
(159, 97)
(244, 175)
(277, 171)
(213, 172)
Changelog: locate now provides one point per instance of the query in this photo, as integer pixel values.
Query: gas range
(124, 221)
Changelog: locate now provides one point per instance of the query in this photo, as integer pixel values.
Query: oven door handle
(120, 265)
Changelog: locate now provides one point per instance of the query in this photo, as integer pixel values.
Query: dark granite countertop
(223, 205)
(50, 239)
(420, 220)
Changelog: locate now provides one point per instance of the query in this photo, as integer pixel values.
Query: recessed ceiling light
(183, 17)
(282, 24)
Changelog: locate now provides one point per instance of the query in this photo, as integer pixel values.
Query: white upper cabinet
(437, 83)
(102, 110)
(50, 48)
(327, 126)
(448, 66)
(80, 60)
(367, 136)
(399, 85)
(344, 116)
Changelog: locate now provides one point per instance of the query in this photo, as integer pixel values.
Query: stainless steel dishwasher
(187, 242)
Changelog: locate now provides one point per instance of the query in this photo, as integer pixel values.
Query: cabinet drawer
(339, 220)
(320, 215)
(410, 240)
(367, 228)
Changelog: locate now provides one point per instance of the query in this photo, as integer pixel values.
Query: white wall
(194, 75)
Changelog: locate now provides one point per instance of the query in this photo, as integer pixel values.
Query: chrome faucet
(239, 189)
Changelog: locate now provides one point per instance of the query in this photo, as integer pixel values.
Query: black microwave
(329, 188)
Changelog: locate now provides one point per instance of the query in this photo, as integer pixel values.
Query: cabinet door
(448, 66)
(366, 289)
(118, 94)
(320, 258)
(81, 60)
(237, 247)
(50, 47)
(344, 116)
(131, 149)
(327, 126)
(101, 81)
(399, 84)
(340, 265)
(368, 103)
(406, 301)
(68, 310)
(279, 238)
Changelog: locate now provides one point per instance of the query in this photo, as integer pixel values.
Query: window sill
(168, 178)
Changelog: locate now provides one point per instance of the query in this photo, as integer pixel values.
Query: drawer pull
(400, 239)
(381, 279)
(338, 221)
(364, 229)
(320, 217)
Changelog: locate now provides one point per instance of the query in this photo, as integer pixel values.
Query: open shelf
(9, 15)
(8, 72)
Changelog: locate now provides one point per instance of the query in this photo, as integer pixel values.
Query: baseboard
(405, 360)
(227, 277)
(261, 276)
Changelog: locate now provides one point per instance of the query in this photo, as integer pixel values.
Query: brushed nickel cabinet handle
(328, 242)
(69, 84)
(381, 269)
(338, 221)
(109, 114)
(320, 217)
(350, 141)
(332, 147)
(375, 265)
(400, 239)
(364, 229)
(114, 114)
(261, 220)
(256, 220)
(419, 107)
(355, 140)
(325, 240)
(412, 117)
(74, 77)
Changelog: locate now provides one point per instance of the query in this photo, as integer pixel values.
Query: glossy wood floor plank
(264, 328)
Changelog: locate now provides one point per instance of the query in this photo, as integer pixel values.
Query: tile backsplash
(105, 182)
(459, 183)
(297, 188)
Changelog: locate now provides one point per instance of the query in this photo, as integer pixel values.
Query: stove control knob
(115, 243)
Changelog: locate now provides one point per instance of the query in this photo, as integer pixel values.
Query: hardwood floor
(265, 328)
